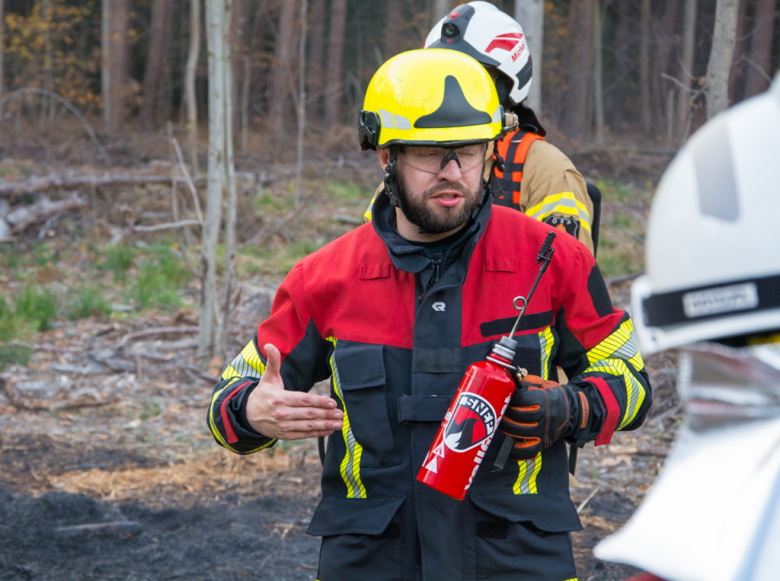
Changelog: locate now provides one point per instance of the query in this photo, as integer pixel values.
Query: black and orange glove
(540, 413)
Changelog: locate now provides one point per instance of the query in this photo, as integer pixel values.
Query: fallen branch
(33, 405)
(168, 226)
(623, 278)
(23, 216)
(201, 374)
(585, 502)
(35, 184)
(154, 332)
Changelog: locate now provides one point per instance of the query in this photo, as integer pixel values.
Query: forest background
(165, 163)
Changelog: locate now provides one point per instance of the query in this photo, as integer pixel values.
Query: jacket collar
(411, 258)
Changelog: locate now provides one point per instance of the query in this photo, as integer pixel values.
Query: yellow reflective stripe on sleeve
(635, 393)
(546, 341)
(563, 203)
(213, 426)
(621, 344)
(246, 364)
(526, 478)
(350, 465)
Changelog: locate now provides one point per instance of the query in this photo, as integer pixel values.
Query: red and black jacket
(356, 312)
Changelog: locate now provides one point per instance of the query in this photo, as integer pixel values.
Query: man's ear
(384, 157)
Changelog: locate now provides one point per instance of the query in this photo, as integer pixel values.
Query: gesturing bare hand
(289, 415)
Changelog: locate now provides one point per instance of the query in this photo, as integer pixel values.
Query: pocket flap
(551, 513)
(353, 516)
(374, 271)
(360, 365)
(500, 265)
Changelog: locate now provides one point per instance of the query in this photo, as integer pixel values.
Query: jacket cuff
(236, 411)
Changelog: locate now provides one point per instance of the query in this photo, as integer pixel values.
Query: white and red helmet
(492, 37)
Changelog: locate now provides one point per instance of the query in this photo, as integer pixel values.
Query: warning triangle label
(439, 451)
(432, 465)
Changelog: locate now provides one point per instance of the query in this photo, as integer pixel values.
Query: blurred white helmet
(713, 288)
(713, 240)
(492, 37)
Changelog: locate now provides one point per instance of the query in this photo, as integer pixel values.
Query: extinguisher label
(473, 421)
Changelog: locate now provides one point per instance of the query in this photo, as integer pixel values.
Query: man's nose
(450, 172)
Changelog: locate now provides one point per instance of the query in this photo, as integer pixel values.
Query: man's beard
(447, 219)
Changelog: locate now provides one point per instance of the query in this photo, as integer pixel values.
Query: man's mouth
(447, 198)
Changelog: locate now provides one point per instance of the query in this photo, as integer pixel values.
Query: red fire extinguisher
(479, 404)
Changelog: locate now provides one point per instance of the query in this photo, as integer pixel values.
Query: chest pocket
(360, 375)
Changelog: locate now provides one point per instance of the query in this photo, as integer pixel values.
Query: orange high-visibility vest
(513, 149)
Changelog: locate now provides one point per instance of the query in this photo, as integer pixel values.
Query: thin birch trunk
(301, 105)
(597, 71)
(644, 64)
(723, 41)
(216, 23)
(686, 67)
(118, 63)
(530, 15)
(761, 49)
(229, 175)
(2, 53)
(105, 62)
(189, 84)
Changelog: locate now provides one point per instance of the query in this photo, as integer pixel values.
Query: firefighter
(538, 179)
(394, 313)
(713, 291)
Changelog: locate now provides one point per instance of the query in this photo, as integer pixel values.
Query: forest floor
(107, 468)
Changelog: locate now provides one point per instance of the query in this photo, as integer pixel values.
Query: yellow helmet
(430, 97)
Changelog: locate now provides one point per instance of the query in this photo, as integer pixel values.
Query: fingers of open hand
(290, 415)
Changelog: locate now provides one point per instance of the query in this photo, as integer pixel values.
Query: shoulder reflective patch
(563, 203)
(564, 224)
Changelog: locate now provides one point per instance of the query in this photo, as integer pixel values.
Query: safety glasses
(435, 159)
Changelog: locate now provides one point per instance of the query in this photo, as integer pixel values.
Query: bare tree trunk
(393, 23)
(624, 31)
(686, 67)
(761, 48)
(530, 15)
(598, 90)
(644, 64)
(2, 53)
(217, 18)
(301, 105)
(739, 50)
(156, 62)
(316, 56)
(229, 178)
(189, 83)
(278, 100)
(239, 38)
(105, 62)
(722, 53)
(46, 18)
(338, 17)
(575, 113)
(440, 9)
(116, 63)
